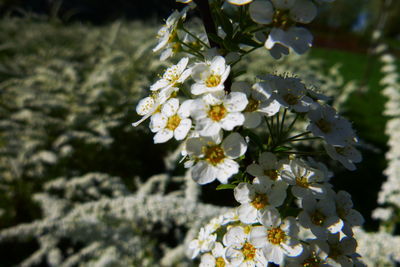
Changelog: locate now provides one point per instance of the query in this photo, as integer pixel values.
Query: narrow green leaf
(225, 186)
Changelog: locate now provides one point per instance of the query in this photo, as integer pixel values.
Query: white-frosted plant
(241, 133)
(382, 248)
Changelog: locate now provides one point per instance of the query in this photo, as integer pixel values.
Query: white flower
(340, 251)
(277, 238)
(257, 196)
(326, 123)
(171, 122)
(320, 217)
(214, 160)
(305, 181)
(268, 168)
(239, 251)
(173, 76)
(347, 155)
(216, 258)
(282, 12)
(349, 216)
(259, 102)
(210, 76)
(314, 254)
(151, 104)
(233, 2)
(215, 112)
(214, 224)
(289, 92)
(168, 33)
(230, 216)
(321, 167)
(204, 243)
(239, 2)
(283, 15)
(298, 38)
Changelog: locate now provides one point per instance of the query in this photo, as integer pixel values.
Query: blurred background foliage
(71, 73)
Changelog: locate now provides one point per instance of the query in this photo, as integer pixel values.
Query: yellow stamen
(272, 174)
(291, 99)
(249, 251)
(302, 182)
(214, 154)
(213, 80)
(276, 236)
(219, 262)
(260, 201)
(252, 105)
(318, 218)
(324, 125)
(173, 122)
(217, 112)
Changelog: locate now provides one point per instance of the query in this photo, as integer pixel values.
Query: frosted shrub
(244, 135)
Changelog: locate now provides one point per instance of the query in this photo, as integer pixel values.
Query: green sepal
(225, 186)
(246, 39)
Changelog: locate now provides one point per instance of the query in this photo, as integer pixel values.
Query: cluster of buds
(244, 135)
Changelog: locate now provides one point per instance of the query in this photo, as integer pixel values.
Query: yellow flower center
(324, 125)
(217, 112)
(272, 174)
(260, 201)
(252, 105)
(214, 154)
(281, 19)
(176, 47)
(318, 218)
(291, 99)
(171, 75)
(172, 37)
(302, 182)
(213, 80)
(340, 150)
(247, 229)
(313, 261)
(219, 262)
(276, 236)
(249, 251)
(173, 122)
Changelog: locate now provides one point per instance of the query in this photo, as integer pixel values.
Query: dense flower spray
(246, 136)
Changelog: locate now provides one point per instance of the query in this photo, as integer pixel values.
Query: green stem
(303, 139)
(192, 50)
(270, 130)
(283, 119)
(302, 152)
(291, 125)
(278, 127)
(194, 36)
(296, 136)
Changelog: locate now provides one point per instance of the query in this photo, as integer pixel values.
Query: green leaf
(282, 148)
(215, 38)
(230, 45)
(246, 39)
(225, 186)
(238, 73)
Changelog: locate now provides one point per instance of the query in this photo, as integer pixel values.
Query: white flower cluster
(390, 193)
(264, 228)
(198, 101)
